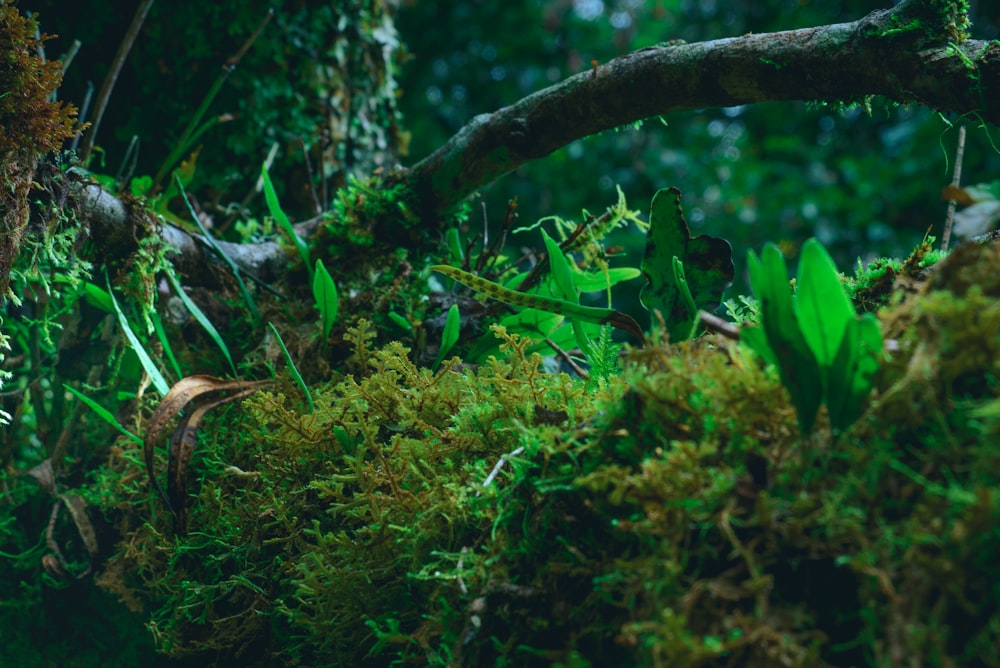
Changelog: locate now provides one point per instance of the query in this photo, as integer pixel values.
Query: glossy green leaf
(562, 272)
(325, 294)
(799, 370)
(449, 336)
(823, 307)
(852, 374)
(707, 263)
(598, 281)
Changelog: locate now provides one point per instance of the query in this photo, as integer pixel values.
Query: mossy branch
(913, 53)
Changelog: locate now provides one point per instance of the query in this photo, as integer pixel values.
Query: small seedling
(325, 293)
(449, 336)
(824, 352)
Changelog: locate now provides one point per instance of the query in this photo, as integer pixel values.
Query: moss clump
(30, 124)
(675, 517)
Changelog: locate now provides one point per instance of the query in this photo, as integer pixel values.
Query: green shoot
(599, 316)
(210, 240)
(282, 219)
(202, 319)
(325, 293)
(292, 369)
(103, 413)
(449, 337)
(823, 351)
(159, 382)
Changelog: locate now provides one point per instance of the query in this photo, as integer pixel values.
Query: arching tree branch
(912, 53)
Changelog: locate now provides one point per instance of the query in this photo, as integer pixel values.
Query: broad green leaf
(449, 336)
(562, 272)
(823, 307)
(800, 372)
(598, 282)
(325, 294)
(707, 263)
(851, 376)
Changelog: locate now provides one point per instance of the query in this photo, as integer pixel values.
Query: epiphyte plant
(685, 274)
(824, 352)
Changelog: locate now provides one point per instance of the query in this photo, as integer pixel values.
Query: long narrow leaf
(293, 369)
(325, 293)
(274, 206)
(202, 319)
(161, 334)
(159, 382)
(598, 316)
(102, 413)
(210, 240)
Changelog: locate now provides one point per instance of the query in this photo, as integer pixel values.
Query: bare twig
(956, 179)
(109, 81)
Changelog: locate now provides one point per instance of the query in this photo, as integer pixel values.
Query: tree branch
(909, 54)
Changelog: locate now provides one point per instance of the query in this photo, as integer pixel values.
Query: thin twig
(956, 178)
(109, 81)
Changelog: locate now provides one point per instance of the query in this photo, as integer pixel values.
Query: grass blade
(102, 413)
(159, 382)
(202, 319)
(293, 369)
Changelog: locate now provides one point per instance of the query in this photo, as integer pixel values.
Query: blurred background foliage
(865, 183)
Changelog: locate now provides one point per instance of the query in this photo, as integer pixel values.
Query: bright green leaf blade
(293, 369)
(598, 281)
(103, 413)
(202, 320)
(797, 365)
(707, 261)
(210, 240)
(561, 271)
(95, 296)
(325, 293)
(599, 316)
(449, 336)
(274, 207)
(159, 382)
(852, 374)
(822, 304)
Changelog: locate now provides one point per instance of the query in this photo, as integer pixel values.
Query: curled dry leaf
(191, 390)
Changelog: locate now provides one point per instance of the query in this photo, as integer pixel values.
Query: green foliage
(325, 294)
(684, 274)
(562, 307)
(32, 122)
(824, 352)
(282, 219)
(449, 335)
(292, 369)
